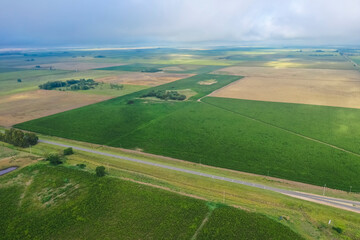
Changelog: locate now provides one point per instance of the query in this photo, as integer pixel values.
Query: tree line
(165, 95)
(82, 84)
(19, 138)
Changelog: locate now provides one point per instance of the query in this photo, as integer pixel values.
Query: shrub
(100, 171)
(130, 102)
(19, 80)
(68, 151)
(81, 165)
(338, 229)
(54, 159)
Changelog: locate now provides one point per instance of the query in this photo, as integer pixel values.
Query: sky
(39, 23)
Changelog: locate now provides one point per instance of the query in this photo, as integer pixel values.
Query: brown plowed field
(309, 86)
(26, 106)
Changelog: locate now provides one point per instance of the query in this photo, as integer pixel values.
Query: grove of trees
(82, 84)
(19, 138)
(165, 95)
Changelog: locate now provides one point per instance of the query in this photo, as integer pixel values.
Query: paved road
(353, 206)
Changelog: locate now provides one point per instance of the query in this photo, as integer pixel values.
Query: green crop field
(45, 202)
(334, 125)
(225, 223)
(202, 132)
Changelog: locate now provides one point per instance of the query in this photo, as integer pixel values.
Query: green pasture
(46, 202)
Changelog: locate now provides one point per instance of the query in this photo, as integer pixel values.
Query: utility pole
(224, 197)
(350, 188)
(324, 190)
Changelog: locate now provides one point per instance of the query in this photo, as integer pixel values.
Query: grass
(65, 203)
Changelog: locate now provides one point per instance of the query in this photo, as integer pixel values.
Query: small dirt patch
(208, 82)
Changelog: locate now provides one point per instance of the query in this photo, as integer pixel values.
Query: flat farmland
(142, 78)
(76, 65)
(215, 132)
(25, 106)
(339, 88)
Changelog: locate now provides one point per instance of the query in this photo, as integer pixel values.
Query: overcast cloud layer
(116, 22)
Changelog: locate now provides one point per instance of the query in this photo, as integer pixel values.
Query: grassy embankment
(65, 203)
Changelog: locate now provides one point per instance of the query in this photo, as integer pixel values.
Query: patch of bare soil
(18, 161)
(208, 82)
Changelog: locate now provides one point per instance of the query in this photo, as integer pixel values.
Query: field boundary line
(284, 129)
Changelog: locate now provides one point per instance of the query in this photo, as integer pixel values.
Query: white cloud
(115, 21)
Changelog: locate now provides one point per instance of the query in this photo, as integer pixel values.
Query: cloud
(91, 22)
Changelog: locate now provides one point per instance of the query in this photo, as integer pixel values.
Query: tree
(100, 171)
(31, 138)
(68, 151)
(54, 159)
(19, 80)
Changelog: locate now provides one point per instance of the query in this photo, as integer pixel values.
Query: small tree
(54, 159)
(100, 171)
(68, 151)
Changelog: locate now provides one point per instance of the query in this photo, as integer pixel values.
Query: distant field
(76, 65)
(50, 202)
(21, 107)
(356, 59)
(106, 90)
(31, 79)
(309, 86)
(142, 78)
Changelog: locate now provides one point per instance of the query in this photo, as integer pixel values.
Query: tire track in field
(206, 219)
(283, 129)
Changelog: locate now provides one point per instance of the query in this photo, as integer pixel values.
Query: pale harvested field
(80, 66)
(339, 88)
(30, 105)
(142, 78)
